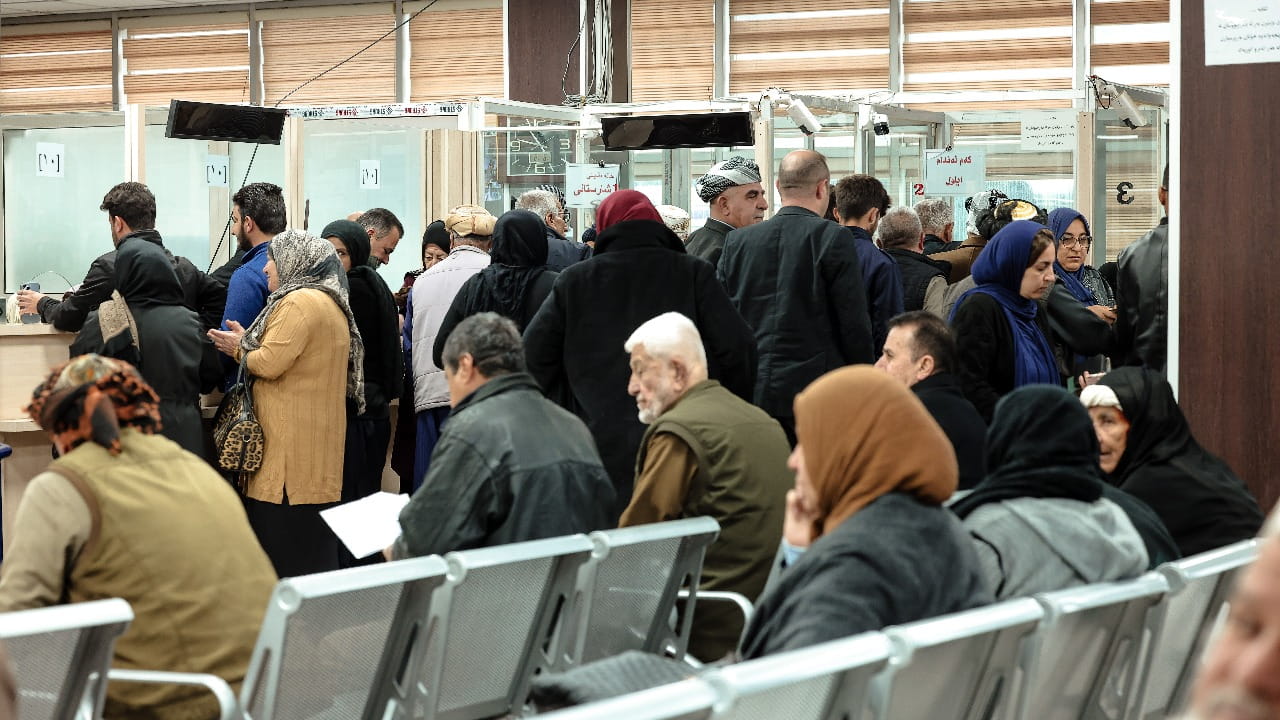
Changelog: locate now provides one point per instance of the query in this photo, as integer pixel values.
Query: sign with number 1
(370, 174)
(50, 159)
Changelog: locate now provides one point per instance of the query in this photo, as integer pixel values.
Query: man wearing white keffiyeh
(736, 198)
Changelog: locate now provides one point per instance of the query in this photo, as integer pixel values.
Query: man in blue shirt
(860, 203)
(257, 215)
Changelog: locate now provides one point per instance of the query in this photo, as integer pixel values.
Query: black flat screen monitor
(642, 132)
(189, 120)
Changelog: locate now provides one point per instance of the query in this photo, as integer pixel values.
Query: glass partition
(1127, 178)
(1044, 178)
(54, 182)
(354, 165)
(175, 172)
(898, 158)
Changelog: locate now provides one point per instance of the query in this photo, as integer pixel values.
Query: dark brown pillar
(539, 34)
(1229, 383)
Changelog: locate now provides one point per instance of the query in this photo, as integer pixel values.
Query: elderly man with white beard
(706, 452)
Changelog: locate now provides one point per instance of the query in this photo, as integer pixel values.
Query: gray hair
(899, 228)
(539, 202)
(935, 215)
(381, 220)
(492, 341)
(670, 335)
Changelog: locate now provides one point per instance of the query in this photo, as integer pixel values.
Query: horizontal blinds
(295, 51)
(672, 50)
(1130, 41)
(977, 45)
(456, 54)
(191, 62)
(55, 72)
(808, 45)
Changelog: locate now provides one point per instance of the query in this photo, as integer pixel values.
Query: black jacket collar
(943, 382)
(632, 234)
(497, 386)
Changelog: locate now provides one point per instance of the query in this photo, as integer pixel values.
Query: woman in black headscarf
(146, 324)
(1148, 451)
(514, 285)
(375, 312)
(1043, 519)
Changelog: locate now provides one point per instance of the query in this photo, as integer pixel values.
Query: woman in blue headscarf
(1085, 337)
(1001, 333)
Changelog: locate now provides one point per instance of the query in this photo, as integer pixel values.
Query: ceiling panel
(27, 8)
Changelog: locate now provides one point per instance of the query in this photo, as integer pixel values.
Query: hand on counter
(29, 301)
(227, 340)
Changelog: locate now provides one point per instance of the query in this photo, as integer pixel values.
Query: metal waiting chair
(626, 597)
(1089, 660)
(823, 682)
(969, 665)
(494, 624)
(325, 639)
(692, 699)
(1198, 589)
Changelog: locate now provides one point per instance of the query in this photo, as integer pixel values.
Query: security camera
(1131, 114)
(803, 118)
(880, 124)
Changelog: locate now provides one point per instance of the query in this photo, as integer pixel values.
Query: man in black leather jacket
(131, 211)
(1142, 295)
(510, 465)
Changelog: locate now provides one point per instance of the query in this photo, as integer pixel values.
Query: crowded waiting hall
(638, 359)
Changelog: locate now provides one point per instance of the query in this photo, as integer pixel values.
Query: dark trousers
(365, 455)
(295, 538)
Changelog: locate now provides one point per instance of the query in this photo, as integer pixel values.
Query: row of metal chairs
(442, 638)
(1119, 651)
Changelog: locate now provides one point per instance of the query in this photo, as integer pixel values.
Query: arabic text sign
(1241, 31)
(586, 184)
(1049, 132)
(954, 172)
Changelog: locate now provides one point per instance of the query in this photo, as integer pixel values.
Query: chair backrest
(968, 666)
(626, 596)
(692, 699)
(495, 623)
(1198, 588)
(1089, 657)
(822, 682)
(60, 656)
(325, 636)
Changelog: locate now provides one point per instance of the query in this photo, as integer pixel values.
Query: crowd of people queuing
(889, 420)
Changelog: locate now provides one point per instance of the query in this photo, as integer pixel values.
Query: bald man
(796, 280)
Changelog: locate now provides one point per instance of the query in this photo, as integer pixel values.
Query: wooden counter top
(14, 329)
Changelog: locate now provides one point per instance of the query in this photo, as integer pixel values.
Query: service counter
(27, 353)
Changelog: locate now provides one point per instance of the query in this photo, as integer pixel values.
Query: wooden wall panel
(1229, 384)
(539, 33)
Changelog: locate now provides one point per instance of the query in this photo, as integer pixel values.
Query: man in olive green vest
(706, 452)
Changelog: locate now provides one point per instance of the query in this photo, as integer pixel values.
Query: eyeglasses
(1071, 241)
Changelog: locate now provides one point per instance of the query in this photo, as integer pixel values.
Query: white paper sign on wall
(954, 172)
(1049, 132)
(51, 159)
(586, 184)
(370, 174)
(215, 170)
(1238, 32)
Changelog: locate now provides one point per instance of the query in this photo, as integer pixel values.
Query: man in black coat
(1142, 296)
(548, 205)
(574, 344)
(921, 353)
(735, 198)
(924, 281)
(796, 280)
(131, 211)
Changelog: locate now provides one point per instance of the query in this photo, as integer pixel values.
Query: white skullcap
(1100, 396)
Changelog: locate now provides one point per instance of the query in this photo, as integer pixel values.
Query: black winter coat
(482, 292)
(1142, 301)
(707, 242)
(895, 561)
(573, 345)
(509, 466)
(917, 272)
(378, 326)
(984, 342)
(797, 281)
(964, 427)
(562, 252)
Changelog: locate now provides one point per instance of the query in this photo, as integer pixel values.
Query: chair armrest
(228, 704)
(738, 600)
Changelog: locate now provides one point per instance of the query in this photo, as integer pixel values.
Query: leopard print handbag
(237, 435)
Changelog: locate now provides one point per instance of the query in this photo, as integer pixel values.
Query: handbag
(237, 434)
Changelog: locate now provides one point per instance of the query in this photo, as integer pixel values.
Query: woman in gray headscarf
(306, 358)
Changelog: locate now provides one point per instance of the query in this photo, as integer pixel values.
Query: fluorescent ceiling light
(810, 54)
(1131, 33)
(1160, 74)
(53, 88)
(1009, 141)
(51, 53)
(193, 33)
(809, 15)
(949, 36)
(1118, 137)
(1049, 73)
(183, 71)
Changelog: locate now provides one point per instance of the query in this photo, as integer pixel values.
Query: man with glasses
(546, 203)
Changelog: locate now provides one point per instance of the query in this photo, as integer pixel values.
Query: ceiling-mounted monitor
(643, 132)
(189, 120)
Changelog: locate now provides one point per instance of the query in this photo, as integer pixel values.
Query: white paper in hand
(367, 525)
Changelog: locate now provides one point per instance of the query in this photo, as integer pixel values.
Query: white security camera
(803, 118)
(1131, 114)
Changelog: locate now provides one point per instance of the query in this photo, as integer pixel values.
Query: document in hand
(369, 524)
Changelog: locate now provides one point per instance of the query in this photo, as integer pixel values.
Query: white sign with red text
(586, 184)
(954, 172)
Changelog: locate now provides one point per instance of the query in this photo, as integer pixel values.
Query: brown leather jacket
(962, 258)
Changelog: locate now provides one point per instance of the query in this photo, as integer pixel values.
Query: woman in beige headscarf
(868, 543)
